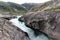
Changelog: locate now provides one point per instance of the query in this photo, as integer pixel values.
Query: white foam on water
(29, 31)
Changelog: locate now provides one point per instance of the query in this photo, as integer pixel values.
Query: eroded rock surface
(47, 22)
(10, 32)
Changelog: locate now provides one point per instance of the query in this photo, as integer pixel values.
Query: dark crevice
(37, 32)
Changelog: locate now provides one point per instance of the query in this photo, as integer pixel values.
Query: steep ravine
(33, 35)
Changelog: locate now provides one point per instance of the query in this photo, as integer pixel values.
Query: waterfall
(29, 31)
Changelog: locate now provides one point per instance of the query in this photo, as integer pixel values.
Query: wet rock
(10, 32)
(47, 22)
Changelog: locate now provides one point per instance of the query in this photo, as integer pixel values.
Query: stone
(10, 32)
(47, 22)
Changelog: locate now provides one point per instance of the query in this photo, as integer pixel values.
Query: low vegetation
(51, 9)
(12, 8)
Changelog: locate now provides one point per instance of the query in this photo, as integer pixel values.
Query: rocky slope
(10, 32)
(47, 22)
(11, 7)
(47, 5)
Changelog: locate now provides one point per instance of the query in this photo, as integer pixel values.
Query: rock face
(10, 32)
(47, 22)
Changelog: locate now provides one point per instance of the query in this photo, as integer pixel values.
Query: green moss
(20, 12)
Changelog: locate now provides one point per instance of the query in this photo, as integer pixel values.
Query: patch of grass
(16, 13)
(13, 12)
(51, 9)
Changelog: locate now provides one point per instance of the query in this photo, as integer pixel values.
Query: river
(29, 31)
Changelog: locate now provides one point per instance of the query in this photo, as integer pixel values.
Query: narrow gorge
(29, 31)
